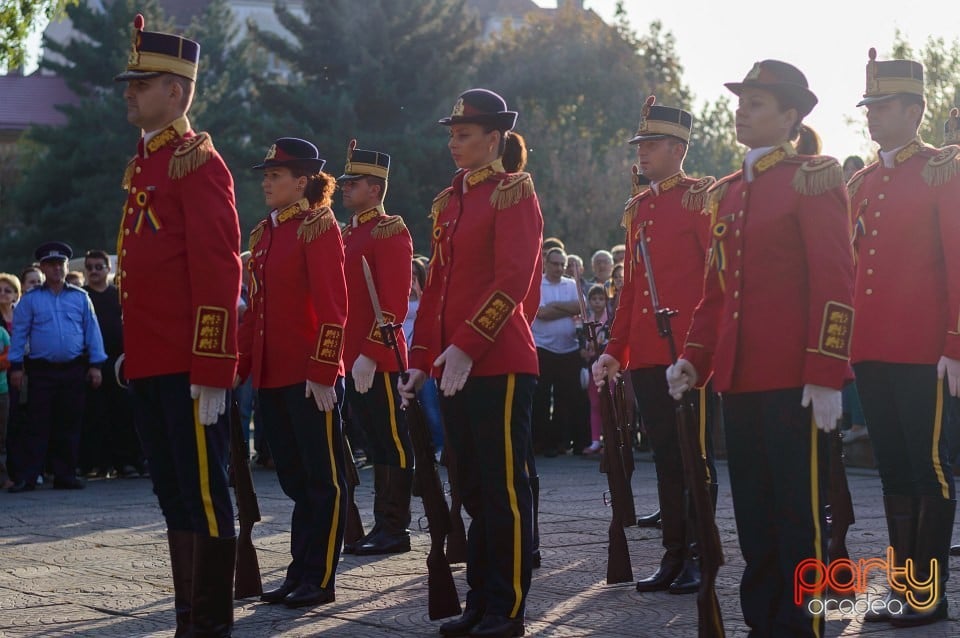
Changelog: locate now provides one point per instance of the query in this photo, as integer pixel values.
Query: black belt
(43, 364)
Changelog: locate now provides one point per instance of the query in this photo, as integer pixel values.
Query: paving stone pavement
(94, 563)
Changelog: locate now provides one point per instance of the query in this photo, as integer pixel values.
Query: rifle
(353, 527)
(247, 582)
(617, 463)
(442, 599)
(457, 536)
(841, 506)
(709, 619)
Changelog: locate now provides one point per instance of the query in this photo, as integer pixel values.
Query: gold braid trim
(388, 227)
(512, 190)
(440, 202)
(128, 174)
(818, 175)
(714, 194)
(315, 224)
(256, 234)
(191, 155)
(630, 208)
(943, 167)
(695, 198)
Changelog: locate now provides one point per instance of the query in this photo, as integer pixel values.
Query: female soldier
(472, 328)
(292, 344)
(774, 327)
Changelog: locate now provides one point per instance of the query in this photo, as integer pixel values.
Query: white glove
(408, 389)
(950, 368)
(213, 402)
(324, 395)
(363, 370)
(456, 368)
(827, 405)
(681, 376)
(606, 368)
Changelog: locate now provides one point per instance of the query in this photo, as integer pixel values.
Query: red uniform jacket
(179, 265)
(385, 242)
(293, 330)
(907, 241)
(677, 230)
(485, 265)
(777, 309)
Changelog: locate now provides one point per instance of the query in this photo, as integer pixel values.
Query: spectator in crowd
(428, 394)
(598, 311)
(574, 270)
(555, 335)
(602, 266)
(615, 288)
(5, 481)
(109, 438)
(246, 397)
(58, 322)
(850, 166)
(75, 278)
(619, 254)
(548, 243)
(31, 277)
(14, 415)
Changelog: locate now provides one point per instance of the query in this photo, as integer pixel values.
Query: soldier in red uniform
(773, 326)
(670, 213)
(179, 233)
(291, 341)
(371, 365)
(471, 330)
(906, 348)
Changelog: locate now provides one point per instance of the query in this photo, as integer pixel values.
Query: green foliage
(941, 62)
(17, 19)
(383, 76)
(713, 146)
(70, 188)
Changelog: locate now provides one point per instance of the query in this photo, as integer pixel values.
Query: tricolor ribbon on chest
(718, 256)
(146, 214)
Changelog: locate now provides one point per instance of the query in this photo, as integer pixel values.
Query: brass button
(736, 233)
(869, 271)
(652, 205)
(881, 196)
(133, 189)
(129, 211)
(123, 253)
(138, 169)
(736, 273)
(124, 295)
(126, 231)
(644, 311)
(886, 178)
(739, 252)
(869, 291)
(876, 214)
(873, 251)
(649, 239)
(646, 293)
(741, 214)
(736, 315)
(736, 294)
(874, 233)
(123, 273)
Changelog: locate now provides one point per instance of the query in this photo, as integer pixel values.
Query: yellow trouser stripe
(935, 444)
(511, 492)
(815, 505)
(335, 519)
(703, 431)
(199, 430)
(394, 429)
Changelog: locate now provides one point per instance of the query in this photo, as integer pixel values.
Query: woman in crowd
(773, 326)
(473, 330)
(291, 342)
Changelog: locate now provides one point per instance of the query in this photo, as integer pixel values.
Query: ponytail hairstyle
(320, 186)
(806, 140)
(514, 156)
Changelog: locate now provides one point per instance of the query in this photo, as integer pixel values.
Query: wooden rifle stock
(457, 538)
(353, 527)
(247, 583)
(623, 513)
(841, 504)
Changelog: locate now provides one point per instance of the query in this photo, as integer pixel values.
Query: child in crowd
(599, 313)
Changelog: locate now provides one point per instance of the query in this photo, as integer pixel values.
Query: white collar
(751, 158)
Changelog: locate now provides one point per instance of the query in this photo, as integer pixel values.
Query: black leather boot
(277, 595)
(393, 537)
(212, 603)
(674, 539)
(901, 513)
(181, 565)
(650, 520)
(379, 485)
(462, 625)
(955, 550)
(931, 549)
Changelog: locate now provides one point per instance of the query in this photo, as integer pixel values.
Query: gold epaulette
(191, 155)
(942, 167)
(128, 174)
(440, 202)
(630, 208)
(389, 226)
(716, 192)
(315, 224)
(854, 184)
(695, 197)
(817, 175)
(512, 190)
(256, 234)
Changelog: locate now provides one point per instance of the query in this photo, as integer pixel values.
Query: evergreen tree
(941, 65)
(384, 75)
(17, 20)
(713, 146)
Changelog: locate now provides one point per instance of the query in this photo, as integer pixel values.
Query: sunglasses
(97, 267)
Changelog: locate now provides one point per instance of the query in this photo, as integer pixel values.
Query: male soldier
(670, 212)
(179, 271)
(372, 367)
(58, 323)
(906, 211)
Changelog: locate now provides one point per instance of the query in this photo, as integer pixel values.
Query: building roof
(30, 100)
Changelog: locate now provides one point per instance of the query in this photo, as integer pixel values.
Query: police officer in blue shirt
(56, 324)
